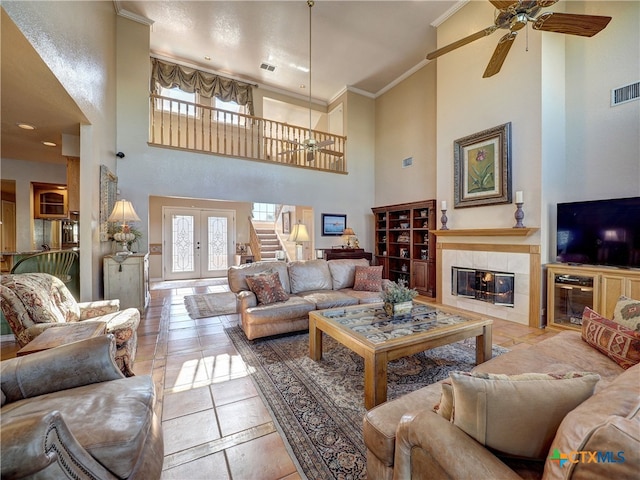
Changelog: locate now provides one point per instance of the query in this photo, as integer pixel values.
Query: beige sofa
(311, 285)
(406, 439)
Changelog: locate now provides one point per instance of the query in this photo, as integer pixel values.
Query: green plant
(398, 292)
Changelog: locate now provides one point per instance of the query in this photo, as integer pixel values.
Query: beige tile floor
(214, 422)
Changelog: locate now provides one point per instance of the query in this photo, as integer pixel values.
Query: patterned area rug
(210, 304)
(320, 405)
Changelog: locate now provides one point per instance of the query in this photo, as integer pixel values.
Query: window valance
(170, 75)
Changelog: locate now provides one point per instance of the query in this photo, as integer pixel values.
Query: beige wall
(406, 127)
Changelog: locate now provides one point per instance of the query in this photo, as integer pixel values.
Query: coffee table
(66, 333)
(369, 332)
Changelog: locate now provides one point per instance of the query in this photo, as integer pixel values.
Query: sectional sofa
(303, 286)
(514, 430)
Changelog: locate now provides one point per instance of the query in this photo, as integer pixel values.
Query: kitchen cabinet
(51, 203)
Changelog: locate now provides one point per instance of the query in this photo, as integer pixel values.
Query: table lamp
(348, 232)
(122, 213)
(299, 234)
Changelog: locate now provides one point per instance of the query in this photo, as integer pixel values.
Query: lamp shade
(299, 233)
(348, 231)
(123, 212)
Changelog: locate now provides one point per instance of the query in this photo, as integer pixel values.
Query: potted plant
(397, 298)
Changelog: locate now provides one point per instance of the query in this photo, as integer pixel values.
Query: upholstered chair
(69, 412)
(33, 302)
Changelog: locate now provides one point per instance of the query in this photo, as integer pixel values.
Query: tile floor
(215, 423)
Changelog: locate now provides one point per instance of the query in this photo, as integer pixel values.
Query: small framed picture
(333, 224)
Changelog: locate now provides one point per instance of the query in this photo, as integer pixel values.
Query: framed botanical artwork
(286, 222)
(482, 168)
(333, 224)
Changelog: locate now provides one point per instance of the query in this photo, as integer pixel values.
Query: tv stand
(571, 287)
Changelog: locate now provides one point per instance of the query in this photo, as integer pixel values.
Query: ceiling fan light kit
(515, 15)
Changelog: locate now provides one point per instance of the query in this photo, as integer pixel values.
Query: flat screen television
(600, 232)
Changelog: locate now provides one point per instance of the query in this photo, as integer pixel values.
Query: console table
(337, 253)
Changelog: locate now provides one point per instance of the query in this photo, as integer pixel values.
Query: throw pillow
(267, 288)
(517, 415)
(627, 313)
(368, 279)
(619, 343)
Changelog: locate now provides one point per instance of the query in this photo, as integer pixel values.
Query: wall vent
(407, 162)
(625, 94)
(267, 67)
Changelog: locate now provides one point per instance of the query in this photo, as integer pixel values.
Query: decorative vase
(398, 309)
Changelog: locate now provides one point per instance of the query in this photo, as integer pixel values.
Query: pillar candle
(519, 197)
(444, 204)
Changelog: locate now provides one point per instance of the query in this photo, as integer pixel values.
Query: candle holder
(444, 220)
(519, 215)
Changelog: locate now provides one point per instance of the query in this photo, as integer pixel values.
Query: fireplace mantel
(486, 232)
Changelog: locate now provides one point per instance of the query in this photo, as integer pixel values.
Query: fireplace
(484, 285)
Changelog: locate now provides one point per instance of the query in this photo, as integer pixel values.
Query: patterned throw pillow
(267, 288)
(619, 343)
(517, 415)
(368, 279)
(627, 313)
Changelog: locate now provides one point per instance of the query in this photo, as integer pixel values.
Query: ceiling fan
(310, 144)
(514, 15)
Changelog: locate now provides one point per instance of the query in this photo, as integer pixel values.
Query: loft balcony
(205, 129)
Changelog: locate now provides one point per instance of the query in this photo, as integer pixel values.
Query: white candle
(519, 197)
(444, 205)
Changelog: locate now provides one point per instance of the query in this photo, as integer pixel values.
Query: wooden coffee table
(67, 333)
(369, 332)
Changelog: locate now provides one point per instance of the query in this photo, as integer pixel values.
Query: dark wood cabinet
(337, 253)
(405, 244)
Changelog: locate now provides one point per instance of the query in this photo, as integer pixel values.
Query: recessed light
(302, 85)
(25, 126)
(207, 57)
(49, 144)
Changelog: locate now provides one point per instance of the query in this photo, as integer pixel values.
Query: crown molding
(130, 15)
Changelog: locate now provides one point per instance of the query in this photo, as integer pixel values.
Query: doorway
(199, 243)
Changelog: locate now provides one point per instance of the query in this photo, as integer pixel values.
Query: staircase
(269, 243)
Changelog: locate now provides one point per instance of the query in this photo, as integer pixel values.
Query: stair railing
(254, 242)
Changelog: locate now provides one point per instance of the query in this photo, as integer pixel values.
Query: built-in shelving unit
(404, 243)
(486, 232)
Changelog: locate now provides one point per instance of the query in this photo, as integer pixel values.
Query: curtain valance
(170, 75)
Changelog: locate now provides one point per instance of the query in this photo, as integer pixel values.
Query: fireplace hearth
(484, 285)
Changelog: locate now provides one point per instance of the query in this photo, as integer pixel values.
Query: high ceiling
(363, 45)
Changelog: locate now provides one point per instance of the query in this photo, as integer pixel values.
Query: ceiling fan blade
(499, 54)
(463, 41)
(571, 23)
(324, 143)
(502, 4)
(290, 151)
(331, 152)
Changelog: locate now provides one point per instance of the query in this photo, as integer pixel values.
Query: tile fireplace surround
(522, 260)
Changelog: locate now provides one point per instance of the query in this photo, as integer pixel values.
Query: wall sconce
(122, 213)
(299, 234)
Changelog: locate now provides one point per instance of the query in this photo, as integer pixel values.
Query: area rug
(319, 406)
(210, 304)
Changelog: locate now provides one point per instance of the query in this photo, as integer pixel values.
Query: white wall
(81, 54)
(149, 170)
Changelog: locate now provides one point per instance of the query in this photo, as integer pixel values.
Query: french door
(197, 243)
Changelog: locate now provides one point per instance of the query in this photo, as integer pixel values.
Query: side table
(57, 336)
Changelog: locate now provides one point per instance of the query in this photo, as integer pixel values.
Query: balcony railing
(201, 128)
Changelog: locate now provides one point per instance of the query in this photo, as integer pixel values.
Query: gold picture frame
(482, 168)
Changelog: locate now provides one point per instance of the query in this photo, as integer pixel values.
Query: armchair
(33, 302)
(69, 412)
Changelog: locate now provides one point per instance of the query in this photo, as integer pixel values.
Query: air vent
(267, 67)
(407, 162)
(625, 94)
